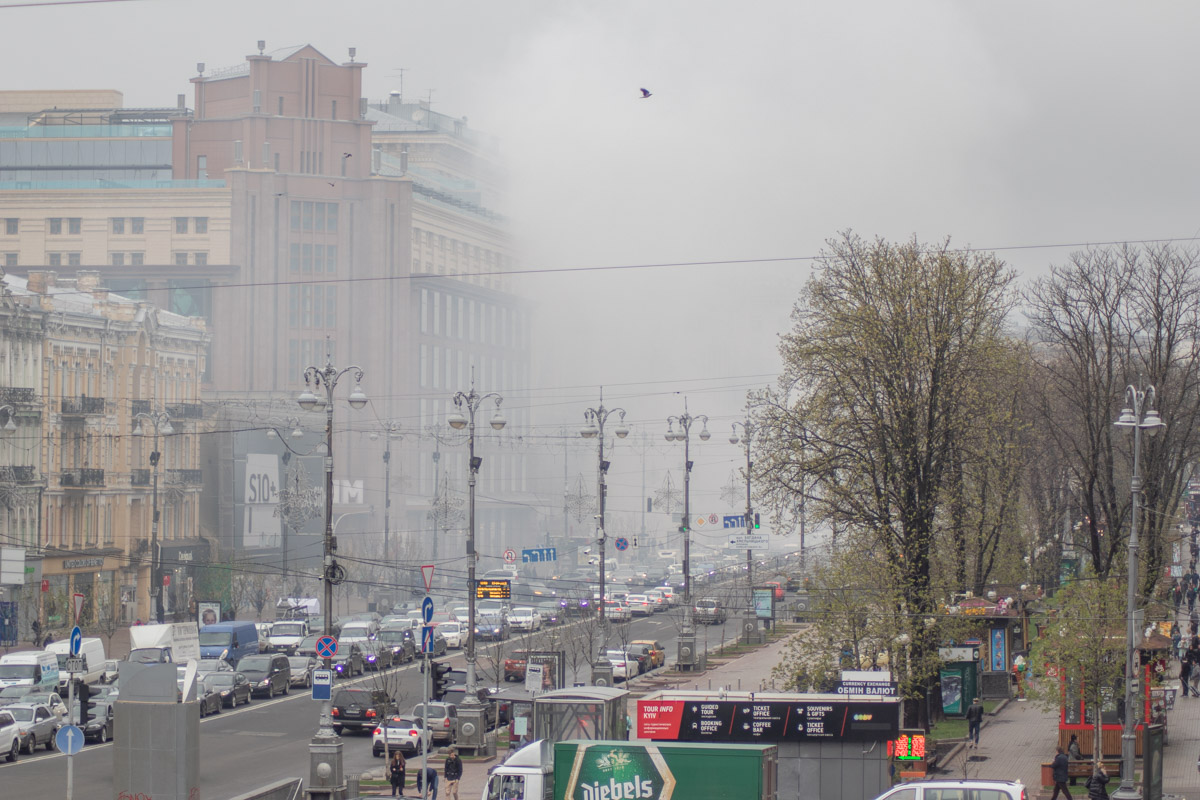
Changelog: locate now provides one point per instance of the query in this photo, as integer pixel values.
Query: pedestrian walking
(1191, 598)
(430, 776)
(1185, 673)
(452, 770)
(1060, 772)
(396, 769)
(1176, 594)
(1075, 754)
(974, 721)
(1096, 785)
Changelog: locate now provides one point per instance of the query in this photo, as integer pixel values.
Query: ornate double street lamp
(391, 431)
(687, 634)
(161, 421)
(749, 429)
(326, 778)
(472, 722)
(1139, 414)
(594, 420)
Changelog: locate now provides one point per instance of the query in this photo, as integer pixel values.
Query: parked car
(708, 611)
(624, 665)
(268, 674)
(966, 789)
(400, 733)
(10, 735)
(641, 654)
(443, 721)
(37, 724)
(231, 687)
(302, 670)
(658, 653)
(359, 709)
(349, 661)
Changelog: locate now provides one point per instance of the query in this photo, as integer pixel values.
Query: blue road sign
(427, 609)
(76, 640)
(539, 554)
(322, 687)
(622, 543)
(427, 639)
(69, 739)
(326, 647)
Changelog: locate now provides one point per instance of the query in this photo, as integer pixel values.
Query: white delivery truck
(91, 650)
(177, 642)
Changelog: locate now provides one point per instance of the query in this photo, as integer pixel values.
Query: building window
(293, 306)
(55, 259)
(181, 259)
(202, 167)
(55, 226)
(118, 224)
(117, 259)
(10, 226)
(201, 224)
(74, 225)
(138, 224)
(181, 224)
(201, 259)
(330, 306)
(306, 258)
(333, 111)
(73, 259)
(10, 259)
(294, 256)
(331, 258)
(331, 217)
(136, 259)
(307, 209)
(281, 106)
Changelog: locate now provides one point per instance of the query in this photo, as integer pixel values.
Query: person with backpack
(1097, 784)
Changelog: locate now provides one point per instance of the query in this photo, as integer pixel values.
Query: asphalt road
(254, 745)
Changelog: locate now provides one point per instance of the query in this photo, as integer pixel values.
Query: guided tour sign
(766, 722)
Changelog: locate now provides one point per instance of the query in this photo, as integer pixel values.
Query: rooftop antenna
(262, 45)
(353, 53)
(200, 68)
(401, 70)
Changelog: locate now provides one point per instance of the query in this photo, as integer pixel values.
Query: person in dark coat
(452, 770)
(395, 773)
(430, 776)
(1075, 754)
(1060, 772)
(974, 721)
(1185, 672)
(1097, 784)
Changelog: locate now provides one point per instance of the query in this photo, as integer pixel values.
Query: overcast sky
(772, 126)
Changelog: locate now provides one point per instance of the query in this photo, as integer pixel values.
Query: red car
(778, 588)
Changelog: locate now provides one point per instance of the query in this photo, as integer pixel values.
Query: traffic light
(756, 525)
(441, 679)
(83, 695)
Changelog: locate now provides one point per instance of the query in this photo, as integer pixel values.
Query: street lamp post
(471, 722)
(161, 421)
(748, 431)
(593, 428)
(684, 434)
(325, 752)
(1138, 414)
(391, 431)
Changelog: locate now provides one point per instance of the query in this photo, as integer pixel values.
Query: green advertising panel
(626, 771)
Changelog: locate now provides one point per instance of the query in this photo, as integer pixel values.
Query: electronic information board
(493, 590)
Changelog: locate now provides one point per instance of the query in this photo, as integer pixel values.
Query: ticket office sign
(756, 723)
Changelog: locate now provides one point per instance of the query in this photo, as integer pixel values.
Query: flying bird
(347, 155)
(330, 183)
(645, 93)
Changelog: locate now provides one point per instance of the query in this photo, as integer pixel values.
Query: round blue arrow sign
(69, 739)
(76, 640)
(427, 609)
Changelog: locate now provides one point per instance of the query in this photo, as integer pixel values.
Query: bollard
(352, 786)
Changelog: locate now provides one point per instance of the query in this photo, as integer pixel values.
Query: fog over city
(693, 215)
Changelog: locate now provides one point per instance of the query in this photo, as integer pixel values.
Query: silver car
(37, 724)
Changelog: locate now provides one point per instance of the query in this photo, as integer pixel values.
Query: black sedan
(348, 662)
(401, 642)
(231, 687)
(99, 727)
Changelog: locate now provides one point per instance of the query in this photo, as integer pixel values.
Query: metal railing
(82, 478)
(139, 477)
(17, 394)
(82, 405)
(185, 410)
(190, 476)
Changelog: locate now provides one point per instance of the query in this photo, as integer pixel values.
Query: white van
(29, 668)
(91, 650)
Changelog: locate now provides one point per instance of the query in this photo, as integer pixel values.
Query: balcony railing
(187, 476)
(17, 475)
(82, 478)
(140, 407)
(185, 410)
(78, 406)
(140, 477)
(18, 395)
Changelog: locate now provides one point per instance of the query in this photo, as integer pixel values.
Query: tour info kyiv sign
(759, 722)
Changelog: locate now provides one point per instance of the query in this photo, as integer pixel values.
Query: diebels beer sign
(750, 722)
(608, 772)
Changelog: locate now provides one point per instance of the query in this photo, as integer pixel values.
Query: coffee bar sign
(82, 563)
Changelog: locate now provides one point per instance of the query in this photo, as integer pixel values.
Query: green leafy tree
(1081, 652)
(897, 352)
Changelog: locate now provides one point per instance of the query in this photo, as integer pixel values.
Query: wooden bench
(1080, 769)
